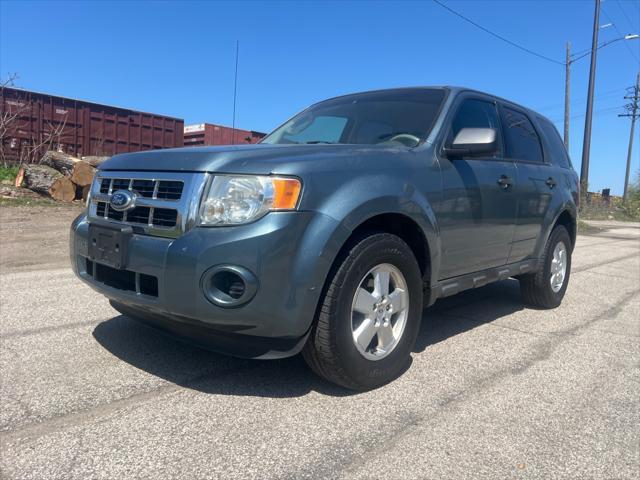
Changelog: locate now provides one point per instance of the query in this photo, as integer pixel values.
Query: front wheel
(369, 316)
(546, 287)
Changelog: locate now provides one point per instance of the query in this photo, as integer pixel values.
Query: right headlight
(238, 199)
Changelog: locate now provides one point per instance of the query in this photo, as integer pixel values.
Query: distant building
(35, 122)
(210, 134)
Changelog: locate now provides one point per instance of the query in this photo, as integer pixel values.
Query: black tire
(536, 287)
(330, 350)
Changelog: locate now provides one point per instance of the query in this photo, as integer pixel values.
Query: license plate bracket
(108, 246)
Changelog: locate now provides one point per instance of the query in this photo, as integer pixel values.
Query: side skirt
(451, 286)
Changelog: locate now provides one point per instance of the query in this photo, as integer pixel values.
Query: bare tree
(10, 113)
(32, 151)
(28, 150)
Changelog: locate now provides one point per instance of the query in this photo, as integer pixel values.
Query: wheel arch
(565, 216)
(568, 221)
(402, 226)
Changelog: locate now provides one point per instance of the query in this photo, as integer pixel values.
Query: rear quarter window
(559, 155)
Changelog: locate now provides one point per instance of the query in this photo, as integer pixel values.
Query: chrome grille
(144, 187)
(166, 202)
(169, 190)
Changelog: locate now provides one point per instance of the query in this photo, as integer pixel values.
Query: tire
(331, 350)
(536, 288)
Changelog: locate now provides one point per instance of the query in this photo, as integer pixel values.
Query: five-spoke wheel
(379, 311)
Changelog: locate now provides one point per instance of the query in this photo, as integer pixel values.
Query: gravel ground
(495, 390)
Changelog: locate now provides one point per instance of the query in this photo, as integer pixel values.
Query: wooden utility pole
(567, 84)
(586, 141)
(235, 95)
(632, 108)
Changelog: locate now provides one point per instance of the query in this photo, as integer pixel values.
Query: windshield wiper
(314, 142)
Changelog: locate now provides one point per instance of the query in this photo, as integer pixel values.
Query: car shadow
(166, 357)
(465, 311)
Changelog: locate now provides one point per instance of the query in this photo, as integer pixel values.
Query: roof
(23, 90)
(451, 88)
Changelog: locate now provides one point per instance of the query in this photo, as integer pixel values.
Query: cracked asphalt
(495, 390)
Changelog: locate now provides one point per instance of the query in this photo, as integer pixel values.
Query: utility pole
(633, 109)
(235, 95)
(586, 142)
(567, 84)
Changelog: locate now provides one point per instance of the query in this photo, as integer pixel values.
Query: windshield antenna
(235, 94)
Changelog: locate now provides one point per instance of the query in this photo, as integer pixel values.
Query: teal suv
(330, 236)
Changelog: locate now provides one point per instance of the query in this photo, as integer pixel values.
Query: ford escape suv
(330, 236)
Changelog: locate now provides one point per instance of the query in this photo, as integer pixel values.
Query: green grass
(8, 173)
(30, 202)
(39, 202)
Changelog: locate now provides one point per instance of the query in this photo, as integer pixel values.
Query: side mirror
(472, 142)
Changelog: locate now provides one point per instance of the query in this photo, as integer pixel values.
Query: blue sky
(177, 58)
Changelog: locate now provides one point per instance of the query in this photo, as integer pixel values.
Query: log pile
(60, 176)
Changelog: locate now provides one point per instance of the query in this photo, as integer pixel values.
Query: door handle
(505, 181)
(551, 182)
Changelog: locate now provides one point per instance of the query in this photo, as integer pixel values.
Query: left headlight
(238, 199)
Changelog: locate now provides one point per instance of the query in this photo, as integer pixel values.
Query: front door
(477, 215)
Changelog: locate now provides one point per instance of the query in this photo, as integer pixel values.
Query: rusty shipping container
(210, 134)
(35, 122)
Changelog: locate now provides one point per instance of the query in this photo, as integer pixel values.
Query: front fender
(360, 199)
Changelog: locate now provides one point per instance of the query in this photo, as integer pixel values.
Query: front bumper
(289, 253)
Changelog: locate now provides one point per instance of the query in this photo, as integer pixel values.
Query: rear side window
(522, 142)
(474, 113)
(558, 152)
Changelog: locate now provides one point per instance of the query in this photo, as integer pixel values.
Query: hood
(246, 159)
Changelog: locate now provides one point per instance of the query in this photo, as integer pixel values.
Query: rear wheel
(546, 287)
(369, 315)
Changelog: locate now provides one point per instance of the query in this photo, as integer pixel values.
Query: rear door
(478, 211)
(535, 179)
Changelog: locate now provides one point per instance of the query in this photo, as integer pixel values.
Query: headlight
(234, 200)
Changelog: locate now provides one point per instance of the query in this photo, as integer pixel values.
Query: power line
(607, 94)
(500, 37)
(621, 34)
(595, 112)
(624, 12)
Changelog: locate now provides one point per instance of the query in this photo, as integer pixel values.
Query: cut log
(19, 177)
(48, 181)
(63, 190)
(39, 178)
(94, 160)
(60, 161)
(82, 174)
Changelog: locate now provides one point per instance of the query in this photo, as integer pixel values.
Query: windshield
(397, 117)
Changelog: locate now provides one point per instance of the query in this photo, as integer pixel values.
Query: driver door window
(474, 113)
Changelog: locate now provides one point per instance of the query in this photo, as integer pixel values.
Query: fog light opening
(229, 285)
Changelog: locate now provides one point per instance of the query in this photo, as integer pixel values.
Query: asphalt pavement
(495, 389)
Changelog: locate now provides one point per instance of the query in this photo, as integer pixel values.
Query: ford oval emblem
(122, 200)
